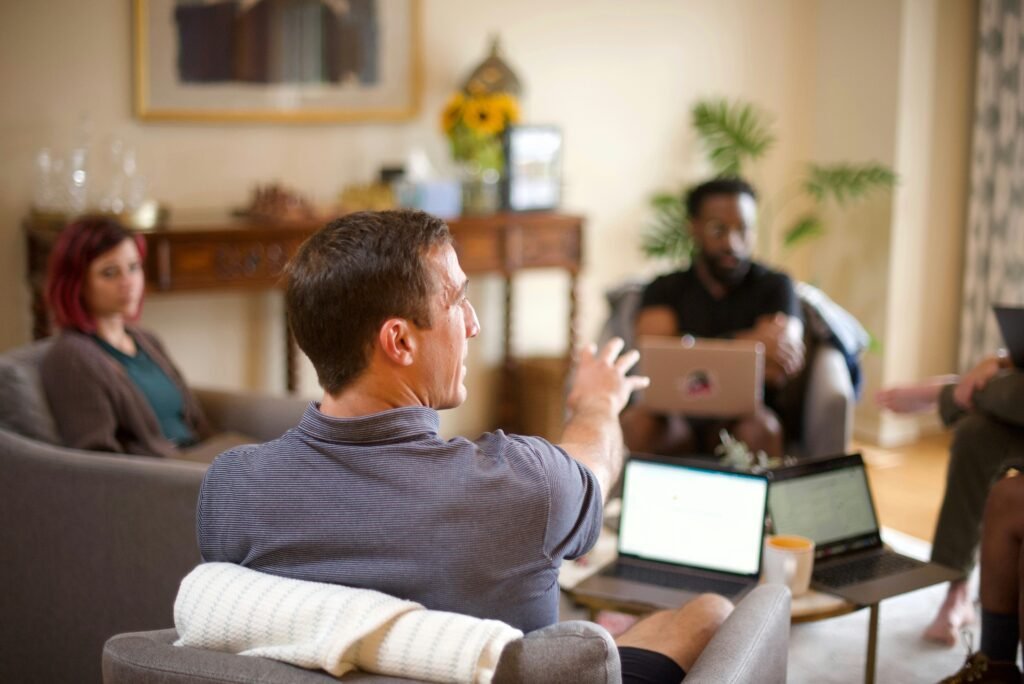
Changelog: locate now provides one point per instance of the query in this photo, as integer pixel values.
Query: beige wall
(618, 77)
(902, 98)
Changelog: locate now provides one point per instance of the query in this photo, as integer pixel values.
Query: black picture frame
(533, 162)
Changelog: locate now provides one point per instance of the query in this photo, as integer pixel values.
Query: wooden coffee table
(809, 607)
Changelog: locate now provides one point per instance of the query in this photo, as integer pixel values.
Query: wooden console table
(217, 253)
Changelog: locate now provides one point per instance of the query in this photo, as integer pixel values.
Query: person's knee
(1005, 500)
(682, 633)
(707, 612)
(761, 430)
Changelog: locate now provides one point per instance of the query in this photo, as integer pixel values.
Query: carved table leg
(508, 399)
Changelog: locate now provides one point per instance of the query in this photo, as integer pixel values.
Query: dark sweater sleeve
(949, 411)
(1001, 398)
(83, 412)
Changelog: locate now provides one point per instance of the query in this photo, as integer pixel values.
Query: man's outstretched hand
(601, 377)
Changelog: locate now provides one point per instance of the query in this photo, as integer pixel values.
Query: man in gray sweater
(363, 492)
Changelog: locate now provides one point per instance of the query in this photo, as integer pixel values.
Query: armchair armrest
(752, 644)
(567, 651)
(828, 405)
(260, 416)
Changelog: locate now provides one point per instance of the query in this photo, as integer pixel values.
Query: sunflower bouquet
(474, 124)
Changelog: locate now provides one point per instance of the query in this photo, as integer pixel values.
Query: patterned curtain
(994, 263)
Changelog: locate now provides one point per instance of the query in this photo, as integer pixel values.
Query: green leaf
(666, 201)
(806, 228)
(732, 133)
(846, 182)
(667, 237)
(875, 345)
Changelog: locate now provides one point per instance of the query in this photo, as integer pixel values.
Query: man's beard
(730, 276)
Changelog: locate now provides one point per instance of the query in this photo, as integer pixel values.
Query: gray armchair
(94, 544)
(750, 647)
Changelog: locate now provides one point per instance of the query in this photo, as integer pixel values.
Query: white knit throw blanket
(225, 607)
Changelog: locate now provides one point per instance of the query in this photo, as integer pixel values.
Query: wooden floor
(908, 483)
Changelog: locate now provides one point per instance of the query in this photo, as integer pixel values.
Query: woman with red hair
(110, 384)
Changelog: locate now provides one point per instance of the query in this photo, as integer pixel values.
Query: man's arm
(991, 387)
(1000, 395)
(600, 391)
(976, 378)
(778, 328)
(783, 339)
(1003, 398)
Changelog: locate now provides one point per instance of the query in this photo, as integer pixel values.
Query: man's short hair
(718, 186)
(351, 276)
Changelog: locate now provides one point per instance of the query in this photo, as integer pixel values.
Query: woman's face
(114, 282)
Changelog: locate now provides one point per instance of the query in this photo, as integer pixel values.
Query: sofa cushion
(23, 407)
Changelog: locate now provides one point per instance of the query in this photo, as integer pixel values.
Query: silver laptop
(702, 377)
(829, 501)
(684, 530)
(1011, 325)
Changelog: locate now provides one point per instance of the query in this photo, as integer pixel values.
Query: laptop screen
(689, 516)
(1011, 325)
(832, 507)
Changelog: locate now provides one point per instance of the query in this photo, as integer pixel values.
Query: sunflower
(452, 113)
(509, 106)
(484, 115)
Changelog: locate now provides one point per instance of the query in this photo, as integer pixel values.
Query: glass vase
(481, 190)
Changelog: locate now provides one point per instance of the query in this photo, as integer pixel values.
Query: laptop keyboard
(863, 569)
(673, 580)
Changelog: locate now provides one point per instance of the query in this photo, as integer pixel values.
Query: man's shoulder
(250, 459)
(669, 285)
(517, 449)
(762, 278)
(679, 276)
(530, 458)
(763, 273)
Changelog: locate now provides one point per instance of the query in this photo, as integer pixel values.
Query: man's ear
(397, 341)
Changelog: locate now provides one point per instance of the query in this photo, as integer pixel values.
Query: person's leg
(761, 431)
(652, 433)
(680, 634)
(1002, 570)
(981, 451)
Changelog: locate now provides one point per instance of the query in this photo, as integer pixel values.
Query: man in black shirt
(723, 294)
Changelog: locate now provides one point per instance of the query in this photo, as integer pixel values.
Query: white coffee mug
(789, 560)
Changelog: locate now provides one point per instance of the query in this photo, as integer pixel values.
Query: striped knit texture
(226, 607)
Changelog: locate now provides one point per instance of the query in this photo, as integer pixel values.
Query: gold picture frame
(276, 61)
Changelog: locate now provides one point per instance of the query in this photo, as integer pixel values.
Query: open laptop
(829, 501)
(702, 377)
(1011, 325)
(685, 529)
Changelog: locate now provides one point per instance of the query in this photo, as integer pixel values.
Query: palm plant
(733, 135)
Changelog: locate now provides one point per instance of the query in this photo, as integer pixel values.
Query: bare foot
(956, 611)
(912, 398)
(615, 623)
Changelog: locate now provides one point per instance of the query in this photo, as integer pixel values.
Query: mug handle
(789, 570)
